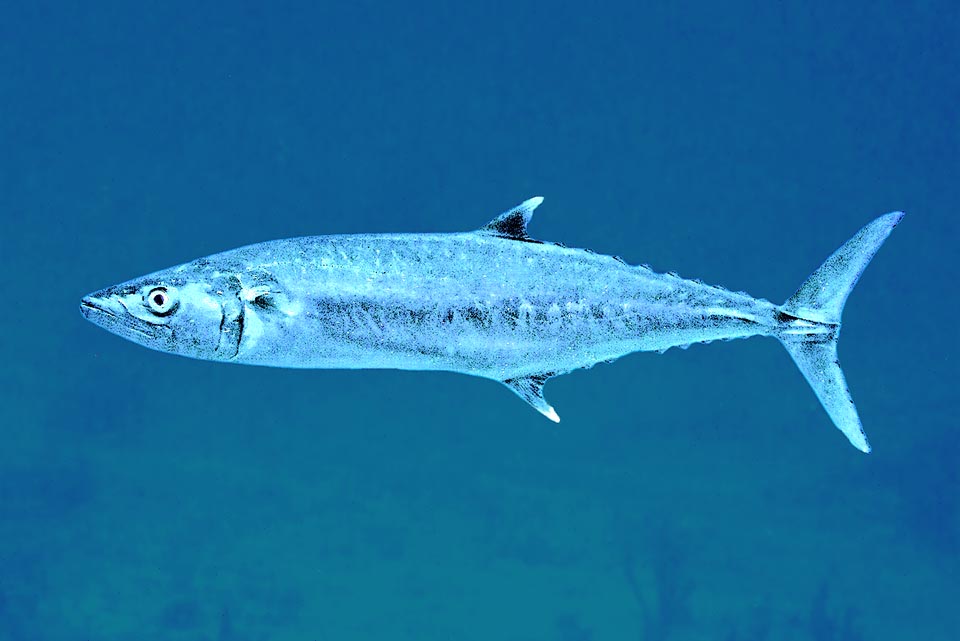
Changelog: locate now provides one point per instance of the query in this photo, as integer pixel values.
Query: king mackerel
(493, 302)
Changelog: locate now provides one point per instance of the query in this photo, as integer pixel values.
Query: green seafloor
(701, 494)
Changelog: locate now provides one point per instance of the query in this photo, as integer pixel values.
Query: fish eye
(160, 301)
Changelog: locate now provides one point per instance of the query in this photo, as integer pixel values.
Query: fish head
(187, 310)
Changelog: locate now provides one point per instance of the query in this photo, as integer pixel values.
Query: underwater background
(702, 494)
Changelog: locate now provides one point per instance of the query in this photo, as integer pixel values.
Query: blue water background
(702, 494)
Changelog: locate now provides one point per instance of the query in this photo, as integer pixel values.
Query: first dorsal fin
(530, 389)
(513, 223)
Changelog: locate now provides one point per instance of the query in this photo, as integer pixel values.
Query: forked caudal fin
(811, 323)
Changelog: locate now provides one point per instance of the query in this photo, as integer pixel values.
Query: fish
(493, 302)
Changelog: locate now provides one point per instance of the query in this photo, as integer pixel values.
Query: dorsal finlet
(513, 223)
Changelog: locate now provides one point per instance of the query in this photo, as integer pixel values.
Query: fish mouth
(111, 314)
(91, 308)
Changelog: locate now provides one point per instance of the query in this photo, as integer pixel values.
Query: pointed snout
(100, 309)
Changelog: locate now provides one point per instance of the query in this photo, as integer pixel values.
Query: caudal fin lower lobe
(811, 323)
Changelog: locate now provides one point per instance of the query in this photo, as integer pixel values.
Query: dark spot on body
(477, 316)
(417, 316)
(511, 314)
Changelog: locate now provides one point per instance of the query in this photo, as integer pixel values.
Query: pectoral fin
(530, 389)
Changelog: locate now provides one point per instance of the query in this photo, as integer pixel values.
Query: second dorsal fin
(513, 223)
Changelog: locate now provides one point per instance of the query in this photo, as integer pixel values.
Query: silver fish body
(492, 303)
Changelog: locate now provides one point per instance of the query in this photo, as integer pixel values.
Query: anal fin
(530, 389)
